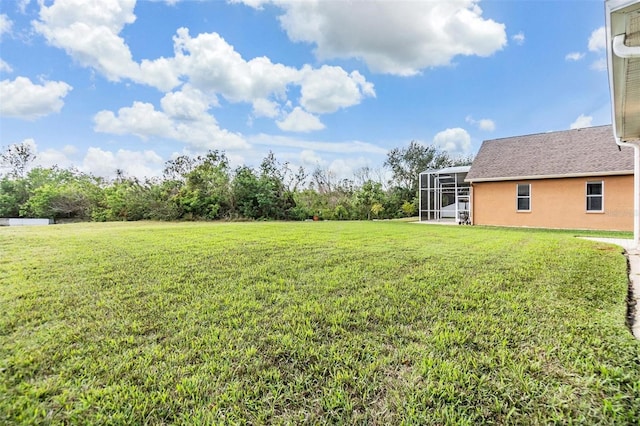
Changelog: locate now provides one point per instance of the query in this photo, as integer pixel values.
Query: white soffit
(623, 48)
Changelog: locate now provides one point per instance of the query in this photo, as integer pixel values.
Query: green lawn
(314, 322)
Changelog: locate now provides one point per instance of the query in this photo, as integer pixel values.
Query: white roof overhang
(448, 170)
(623, 50)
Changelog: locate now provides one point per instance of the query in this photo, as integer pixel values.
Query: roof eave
(452, 169)
(558, 176)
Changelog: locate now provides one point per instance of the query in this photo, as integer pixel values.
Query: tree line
(206, 187)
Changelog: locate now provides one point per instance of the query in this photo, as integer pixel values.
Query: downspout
(471, 218)
(629, 52)
(623, 51)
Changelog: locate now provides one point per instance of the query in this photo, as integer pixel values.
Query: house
(573, 179)
(570, 179)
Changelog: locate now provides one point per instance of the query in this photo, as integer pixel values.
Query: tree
(376, 209)
(179, 167)
(124, 199)
(13, 194)
(59, 193)
(161, 196)
(406, 164)
(57, 202)
(274, 200)
(332, 193)
(395, 198)
(368, 196)
(17, 158)
(293, 179)
(409, 209)
(207, 193)
(322, 180)
(245, 189)
(310, 203)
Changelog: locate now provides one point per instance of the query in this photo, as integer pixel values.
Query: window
(595, 199)
(523, 198)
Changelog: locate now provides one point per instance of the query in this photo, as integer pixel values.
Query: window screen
(524, 197)
(595, 197)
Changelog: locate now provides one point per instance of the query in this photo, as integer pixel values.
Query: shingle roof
(580, 152)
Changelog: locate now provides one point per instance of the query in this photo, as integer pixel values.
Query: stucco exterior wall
(555, 203)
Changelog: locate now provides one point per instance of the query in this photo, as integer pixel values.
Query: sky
(106, 85)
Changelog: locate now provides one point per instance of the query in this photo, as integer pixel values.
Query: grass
(329, 322)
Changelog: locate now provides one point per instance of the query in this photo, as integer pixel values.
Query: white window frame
(587, 196)
(518, 197)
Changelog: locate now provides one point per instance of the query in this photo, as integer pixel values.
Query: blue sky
(102, 85)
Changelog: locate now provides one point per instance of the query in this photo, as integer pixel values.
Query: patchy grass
(330, 322)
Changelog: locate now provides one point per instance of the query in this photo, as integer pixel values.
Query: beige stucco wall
(555, 203)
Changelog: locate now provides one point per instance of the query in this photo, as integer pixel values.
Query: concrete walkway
(633, 258)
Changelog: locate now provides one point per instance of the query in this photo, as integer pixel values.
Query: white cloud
(265, 108)
(169, 2)
(485, 124)
(22, 5)
(100, 162)
(213, 65)
(161, 73)
(133, 163)
(345, 168)
(5, 67)
(187, 104)
(69, 150)
(5, 25)
(309, 158)
(598, 44)
(52, 157)
(141, 119)
(23, 99)
(184, 118)
(399, 38)
(518, 38)
(598, 40)
(330, 88)
(455, 141)
(88, 31)
(300, 121)
(48, 157)
(581, 122)
(31, 143)
(574, 56)
(348, 147)
(599, 65)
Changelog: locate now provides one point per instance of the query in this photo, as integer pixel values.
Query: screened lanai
(445, 196)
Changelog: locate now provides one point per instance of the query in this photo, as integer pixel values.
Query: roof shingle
(582, 152)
